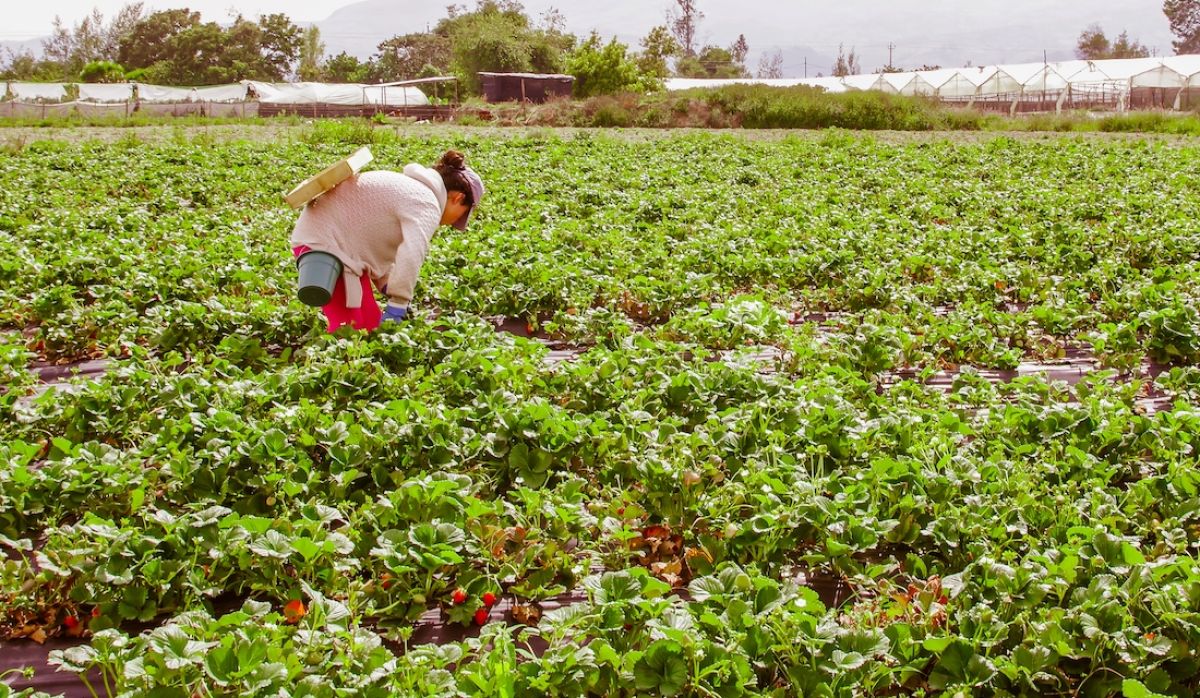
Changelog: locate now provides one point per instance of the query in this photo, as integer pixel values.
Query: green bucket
(319, 273)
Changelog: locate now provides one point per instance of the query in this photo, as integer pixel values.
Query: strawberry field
(689, 415)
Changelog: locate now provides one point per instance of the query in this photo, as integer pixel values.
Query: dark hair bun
(453, 160)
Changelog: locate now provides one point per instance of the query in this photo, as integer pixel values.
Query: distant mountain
(17, 47)
(936, 32)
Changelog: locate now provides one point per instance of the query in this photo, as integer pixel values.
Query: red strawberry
(71, 622)
(481, 616)
(489, 599)
(294, 611)
(459, 596)
(96, 612)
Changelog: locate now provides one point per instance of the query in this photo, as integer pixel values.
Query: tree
(279, 44)
(345, 68)
(26, 66)
(174, 47)
(91, 40)
(311, 51)
(1094, 45)
(1124, 47)
(498, 37)
(1184, 16)
(712, 62)
(404, 57)
(102, 71)
(200, 55)
(150, 39)
(739, 49)
(657, 47)
(603, 69)
(684, 19)
(127, 18)
(846, 65)
(770, 65)
(554, 21)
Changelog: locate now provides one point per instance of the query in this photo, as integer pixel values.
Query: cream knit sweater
(380, 223)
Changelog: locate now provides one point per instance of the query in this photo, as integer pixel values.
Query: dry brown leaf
(526, 614)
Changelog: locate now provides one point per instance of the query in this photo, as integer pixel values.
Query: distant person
(379, 225)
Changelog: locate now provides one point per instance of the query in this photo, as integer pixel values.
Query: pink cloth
(366, 317)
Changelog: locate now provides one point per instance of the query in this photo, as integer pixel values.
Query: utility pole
(891, 48)
(806, 66)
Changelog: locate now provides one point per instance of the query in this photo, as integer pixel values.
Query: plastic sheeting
(348, 94)
(219, 93)
(270, 93)
(1187, 66)
(38, 91)
(927, 83)
(1089, 74)
(1021, 78)
(159, 93)
(121, 92)
(827, 84)
(867, 82)
(965, 82)
(1010, 78)
(394, 96)
(899, 82)
(1158, 76)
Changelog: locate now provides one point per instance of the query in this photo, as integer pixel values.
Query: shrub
(606, 70)
(608, 112)
(102, 71)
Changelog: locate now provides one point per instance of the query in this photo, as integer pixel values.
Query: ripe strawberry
(294, 610)
(459, 596)
(96, 612)
(71, 622)
(481, 616)
(489, 599)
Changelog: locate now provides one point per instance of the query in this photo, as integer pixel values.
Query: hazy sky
(807, 32)
(30, 20)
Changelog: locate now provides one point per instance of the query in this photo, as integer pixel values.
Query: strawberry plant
(823, 442)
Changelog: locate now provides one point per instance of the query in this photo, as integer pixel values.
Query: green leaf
(848, 661)
(221, 663)
(936, 645)
(272, 544)
(306, 547)
(136, 498)
(1132, 688)
(959, 665)
(1132, 555)
(661, 669)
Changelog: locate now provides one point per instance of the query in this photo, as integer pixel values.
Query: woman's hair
(452, 167)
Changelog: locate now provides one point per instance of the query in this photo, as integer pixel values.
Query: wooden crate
(328, 178)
